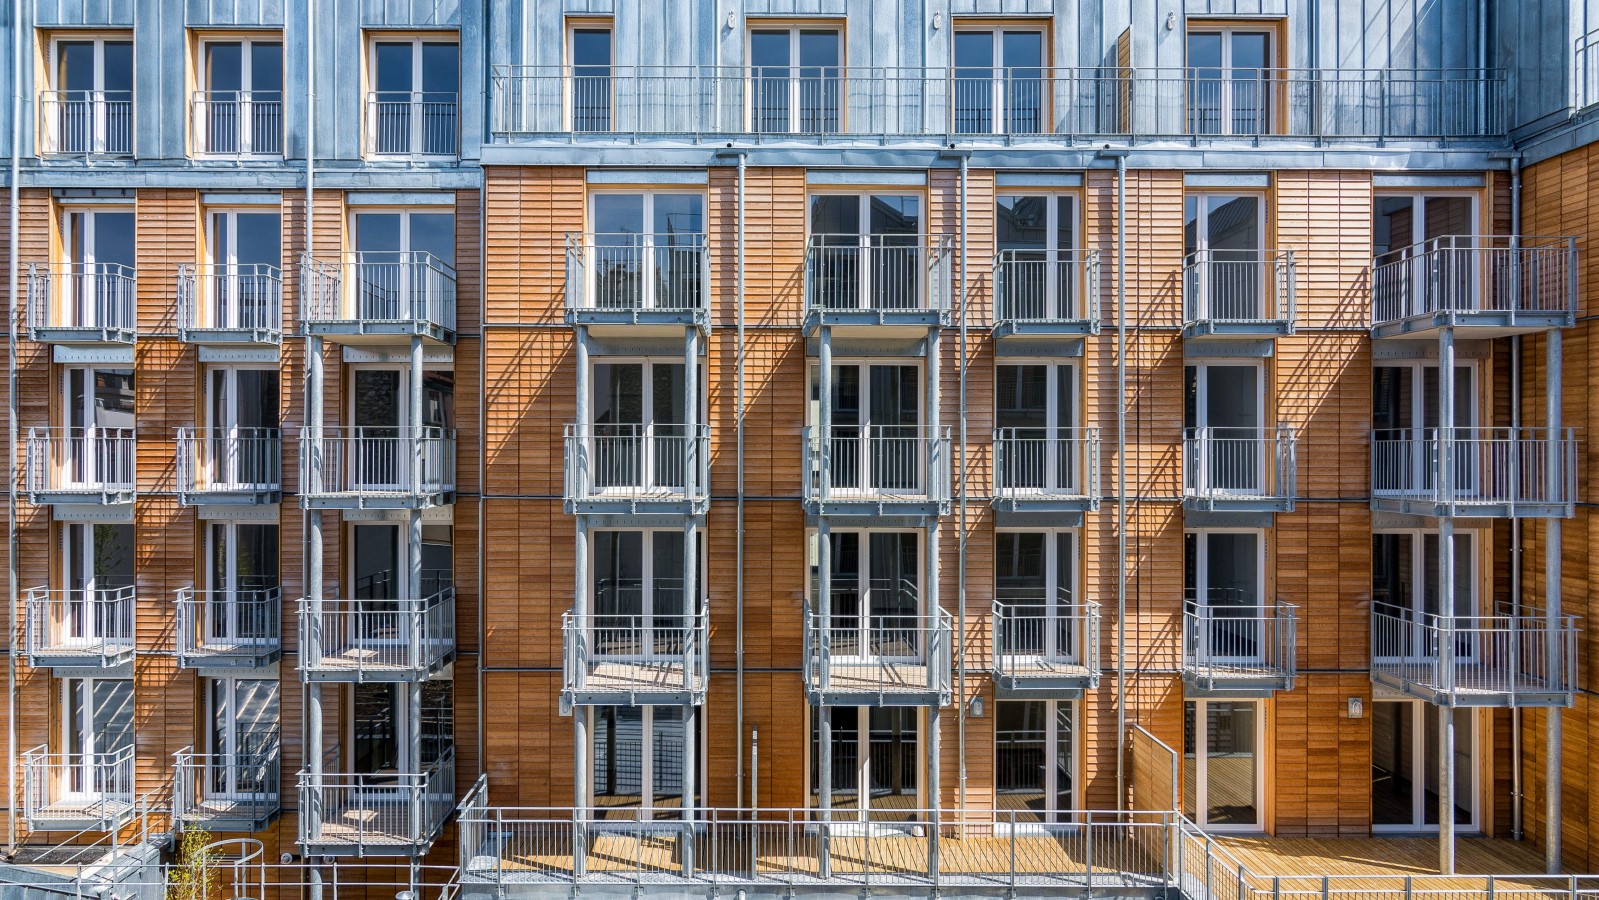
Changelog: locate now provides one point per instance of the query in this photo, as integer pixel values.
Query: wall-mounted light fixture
(1357, 708)
(938, 20)
(1171, 21)
(732, 20)
(974, 707)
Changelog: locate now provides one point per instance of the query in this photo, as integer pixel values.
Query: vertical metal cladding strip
(1444, 478)
(738, 545)
(12, 405)
(311, 528)
(1121, 481)
(1553, 365)
(960, 556)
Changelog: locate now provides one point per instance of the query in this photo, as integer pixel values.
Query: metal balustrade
(1497, 472)
(230, 303)
(1498, 284)
(370, 640)
(878, 658)
(81, 465)
(619, 659)
(1501, 660)
(239, 628)
(413, 123)
(78, 791)
(389, 814)
(229, 465)
(376, 467)
(1240, 469)
(379, 293)
(1237, 293)
(881, 466)
(238, 124)
(1045, 469)
(650, 278)
(81, 303)
(86, 123)
(80, 627)
(1231, 643)
(637, 468)
(881, 279)
(1045, 643)
(1046, 292)
(1585, 71)
(236, 791)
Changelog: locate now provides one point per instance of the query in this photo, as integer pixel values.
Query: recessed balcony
(238, 125)
(1045, 647)
(377, 640)
(88, 124)
(387, 814)
(638, 469)
(1046, 469)
(1498, 472)
(638, 281)
(229, 466)
(81, 466)
(632, 660)
(1238, 294)
(228, 792)
(877, 470)
(876, 284)
(412, 124)
(78, 791)
(1487, 285)
(1505, 660)
(1235, 647)
(856, 658)
(1240, 469)
(89, 627)
(228, 629)
(1046, 293)
(377, 467)
(230, 304)
(82, 303)
(379, 298)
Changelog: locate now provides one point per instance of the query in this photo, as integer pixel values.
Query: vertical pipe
(1121, 482)
(933, 789)
(738, 545)
(12, 276)
(1446, 603)
(312, 527)
(960, 574)
(414, 553)
(580, 562)
(1554, 363)
(1515, 523)
(690, 601)
(823, 611)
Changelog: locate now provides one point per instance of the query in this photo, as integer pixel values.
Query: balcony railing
(81, 465)
(413, 123)
(1046, 291)
(237, 303)
(1498, 472)
(1044, 643)
(876, 279)
(77, 791)
(1496, 282)
(880, 659)
(1036, 468)
(229, 629)
(1238, 293)
(1007, 103)
(82, 303)
(238, 124)
(380, 293)
(391, 814)
(80, 627)
(636, 659)
(879, 465)
(1585, 75)
(367, 640)
(229, 465)
(228, 791)
(1232, 644)
(377, 467)
(1240, 469)
(637, 278)
(632, 468)
(86, 123)
(1498, 660)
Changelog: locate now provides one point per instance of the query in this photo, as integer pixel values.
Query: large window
(382, 720)
(414, 109)
(1035, 759)
(1037, 444)
(1222, 774)
(89, 107)
(1404, 283)
(98, 416)
(1405, 774)
(876, 441)
(97, 738)
(640, 754)
(1225, 266)
(243, 738)
(242, 440)
(239, 109)
(244, 287)
(648, 250)
(589, 60)
(636, 589)
(1223, 411)
(1230, 88)
(1035, 596)
(875, 594)
(1038, 265)
(795, 80)
(1000, 81)
(95, 273)
(877, 761)
(866, 252)
(1407, 596)
(242, 576)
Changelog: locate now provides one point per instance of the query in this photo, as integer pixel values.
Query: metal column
(580, 564)
(824, 608)
(414, 590)
(1446, 593)
(1553, 364)
(311, 824)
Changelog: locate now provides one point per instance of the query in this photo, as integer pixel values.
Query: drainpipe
(1554, 347)
(11, 421)
(960, 576)
(1121, 481)
(738, 546)
(1515, 523)
(1447, 611)
(312, 522)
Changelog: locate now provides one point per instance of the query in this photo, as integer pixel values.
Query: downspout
(960, 575)
(311, 521)
(1121, 481)
(1515, 523)
(11, 426)
(482, 469)
(738, 546)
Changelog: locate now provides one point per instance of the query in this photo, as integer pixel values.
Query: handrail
(89, 461)
(243, 623)
(880, 274)
(879, 653)
(362, 638)
(1035, 637)
(1038, 286)
(86, 123)
(377, 461)
(636, 654)
(98, 298)
(1510, 467)
(1224, 639)
(226, 297)
(637, 462)
(249, 784)
(1225, 463)
(85, 627)
(238, 124)
(413, 123)
(228, 461)
(1240, 289)
(638, 273)
(877, 463)
(379, 287)
(1046, 463)
(1492, 278)
(370, 811)
(1513, 657)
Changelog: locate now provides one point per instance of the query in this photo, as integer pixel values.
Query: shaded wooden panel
(530, 210)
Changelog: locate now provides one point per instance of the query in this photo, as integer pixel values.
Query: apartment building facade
(899, 417)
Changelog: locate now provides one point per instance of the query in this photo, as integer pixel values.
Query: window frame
(201, 105)
(417, 135)
(861, 810)
(648, 810)
(1421, 752)
(1271, 111)
(570, 75)
(1052, 813)
(999, 76)
(837, 74)
(99, 141)
(1259, 756)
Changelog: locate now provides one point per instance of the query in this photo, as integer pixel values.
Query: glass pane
(377, 400)
(1230, 764)
(618, 585)
(266, 70)
(1449, 216)
(834, 214)
(896, 215)
(1205, 86)
(1233, 227)
(434, 233)
(1395, 227)
(392, 75)
(441, 70)
(679, 214)
(894, 762)
(113, 715)
(1020, 748)
(224, 67)
(845, 771)
(1393, 758)
(975, 76)
(376, 747)
(377, 562)
(118, 75)
(259, 240)
(113, 238)
(618, 394)
(378, 232)
(1190, 760)
(75, 66)
(591, 79)
(257, 564)
(437, 725)
(257, 400)
(1232, 400)
(1024, 84)
(113, 556)
(1022, 400)
(1065, 782)
(113, 398)
(667, 756)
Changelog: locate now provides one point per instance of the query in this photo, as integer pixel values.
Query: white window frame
(861, 810)
(1052, 588)
(1202, 588)
(648, 241)
(647, 611)
(864, 235)
(863, 553)
(796, 81)
(1414, 607)
(246, 101)
(1467, 418)
(83, 604)
(1201, 765)
(1052, 814)
(569, 30)
(417, 117)
(215, 755)
(53, 72)
(223, 258)
(999, 74)
(81, 764)
(228, 593)
(224, 473)
(688, 809)
(1422, 753)
(1224, 110)
(84, 272)
(1052, 422)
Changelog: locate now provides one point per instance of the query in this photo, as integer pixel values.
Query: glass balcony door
(97, 728)
(592, 96)
(93, 82)
(243, 738)
(243, 407)
(96, 283)
(242, 107)
(876, 442)
(416, 96)
(1035, 760)
(866, 251)
(1224, 574)
(876, 762)
(641, 426)
(1036, 413)
(639, 611)
(639, 757)
(1222, 775)
(1223, 236)
(1406, 592)
(242, 575)
(1403, 227)
(398, 255)
(876, 596)
(246, 257)
(96, 561)
(1000, 85)
(388, 737)
(1404, 420)
(1223, 410)
(99, 414)
(1230, 82)
(648, 250)
(796, 80)
(1038, 265)
(1035, 582)
(1405, 772)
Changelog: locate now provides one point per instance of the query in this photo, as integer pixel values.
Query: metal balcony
(238, 125)
(1043, 648)
(877, 470)
(230, 304)
(1493, 285)
(369, 640)
(411, 124)
(1046, 293)
(389, 814)
(638, 280)
(377, 468)
(1238, 294)
(77, 791)
(81, 466)
(239, 629)
(633, 660)
(228, 792)
(1240, 469)
(86, 123)
(229, 466)
(379, 297)
(1235, 648)
(1495, 661)
(80, 628)
(1498, 473)
(881, 659)
(876, 282)
(82, 303)
(1046, 469)
(637, 469)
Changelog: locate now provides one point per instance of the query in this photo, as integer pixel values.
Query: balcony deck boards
(1386, 858)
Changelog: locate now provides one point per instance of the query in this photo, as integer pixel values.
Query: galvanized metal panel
(234, 13)
(93, 13)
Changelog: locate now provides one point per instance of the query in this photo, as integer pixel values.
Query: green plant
(195, 874)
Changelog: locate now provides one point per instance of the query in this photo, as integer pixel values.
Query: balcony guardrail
(637, 467)
(77, 791)
(91, 627)
(638, 277)
(1042, 465)
(229, 465)
(882, 657)
(369, 639)
(228, 791)
(1045, 641)
(635, 659)
(380, 292)
(1491, 281)
(413, 123)
(1231, 643)
(1505, 472)
(81, 465)
(1047, 288)
(238, 124)
(878, 276)
(82, 302)
(1237, 467)
(1497, 660)
(877, 464)
(86, 123)
(230, 303)
(222, 628)
(377, 466)
(1239, 292)
(1585, 76)
(391, 814)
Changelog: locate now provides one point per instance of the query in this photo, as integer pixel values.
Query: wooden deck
(1387, 857)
